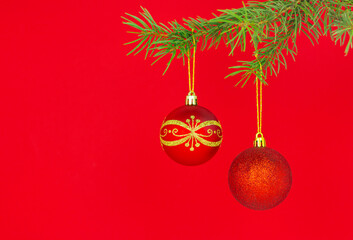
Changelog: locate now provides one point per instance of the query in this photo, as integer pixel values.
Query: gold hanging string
(259, 139)
(259, 102)
(259, 105)
(192, 81)
(190, 87)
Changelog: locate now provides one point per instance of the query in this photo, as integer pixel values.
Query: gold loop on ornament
(259, 133)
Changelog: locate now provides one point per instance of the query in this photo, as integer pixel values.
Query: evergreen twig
(272, 28)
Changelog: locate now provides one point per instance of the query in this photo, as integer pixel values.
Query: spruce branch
(272, 28)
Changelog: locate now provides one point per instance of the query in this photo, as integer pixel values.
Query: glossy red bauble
(191, 135)
(260, 178)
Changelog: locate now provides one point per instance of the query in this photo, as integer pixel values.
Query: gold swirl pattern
(191, 139)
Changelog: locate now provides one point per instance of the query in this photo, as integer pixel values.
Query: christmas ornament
(191, 134)
(260, 178)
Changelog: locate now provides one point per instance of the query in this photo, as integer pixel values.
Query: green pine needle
(272, 28)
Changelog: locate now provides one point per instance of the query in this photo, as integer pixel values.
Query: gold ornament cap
(259, 140)
(191, 99)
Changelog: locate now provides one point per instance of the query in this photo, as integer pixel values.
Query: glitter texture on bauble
(260, 178)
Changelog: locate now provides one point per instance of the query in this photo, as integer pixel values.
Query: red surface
(80, 153)
(260, 178)
(196, 147)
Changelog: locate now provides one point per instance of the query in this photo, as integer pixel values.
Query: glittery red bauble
(260, 178)
(191, 135)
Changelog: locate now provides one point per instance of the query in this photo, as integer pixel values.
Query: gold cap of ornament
(191, 99)
(259, 140)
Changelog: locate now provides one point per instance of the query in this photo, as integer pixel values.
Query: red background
(80, 153)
